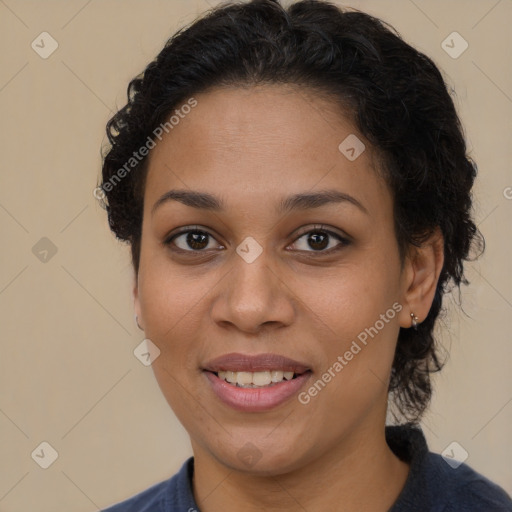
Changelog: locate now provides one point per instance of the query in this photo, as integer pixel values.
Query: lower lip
(256, 399)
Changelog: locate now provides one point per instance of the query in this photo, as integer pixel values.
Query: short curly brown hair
(398, 100)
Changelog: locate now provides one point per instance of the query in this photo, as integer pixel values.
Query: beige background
(68, 375)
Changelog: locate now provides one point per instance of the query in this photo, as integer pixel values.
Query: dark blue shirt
(432, 485)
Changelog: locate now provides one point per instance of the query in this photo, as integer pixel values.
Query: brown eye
(320, 240)
(191, 240)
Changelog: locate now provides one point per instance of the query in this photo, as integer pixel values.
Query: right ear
(136, 305)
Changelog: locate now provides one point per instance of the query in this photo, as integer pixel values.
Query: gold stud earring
(414, 320)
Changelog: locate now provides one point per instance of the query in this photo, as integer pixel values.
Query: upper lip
(254, 363)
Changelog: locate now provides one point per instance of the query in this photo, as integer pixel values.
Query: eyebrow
(302, 201)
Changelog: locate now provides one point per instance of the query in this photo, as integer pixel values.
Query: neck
(337, 480)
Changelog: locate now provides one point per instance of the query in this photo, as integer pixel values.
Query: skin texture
(252, 147)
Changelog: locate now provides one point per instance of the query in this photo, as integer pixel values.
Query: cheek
(357, 318)
(164, 300)
(357, 328)
(166, 292)
(351, 298)
(171, 306)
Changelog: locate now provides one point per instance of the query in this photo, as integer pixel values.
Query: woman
(295, 189)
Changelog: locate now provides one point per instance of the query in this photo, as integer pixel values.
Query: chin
(262, 457)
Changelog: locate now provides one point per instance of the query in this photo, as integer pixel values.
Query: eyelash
(315, 229)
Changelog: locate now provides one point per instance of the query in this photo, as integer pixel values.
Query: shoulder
(464, 489)
(437, 486)
(172, 495)
(150, 500)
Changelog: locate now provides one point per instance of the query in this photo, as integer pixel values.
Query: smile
(250, 397)
(256, 379)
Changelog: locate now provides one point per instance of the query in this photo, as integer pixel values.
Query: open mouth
(262, 379)
(275, 381)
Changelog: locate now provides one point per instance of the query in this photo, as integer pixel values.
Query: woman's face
(264, 274)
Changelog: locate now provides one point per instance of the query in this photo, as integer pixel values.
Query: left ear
(423, 266)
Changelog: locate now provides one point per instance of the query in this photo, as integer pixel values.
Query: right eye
(190, 240)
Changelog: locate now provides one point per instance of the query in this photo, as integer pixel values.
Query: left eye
(319, 240)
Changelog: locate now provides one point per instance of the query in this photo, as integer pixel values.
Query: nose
(254, 296)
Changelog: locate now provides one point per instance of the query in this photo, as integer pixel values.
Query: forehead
(258, 143)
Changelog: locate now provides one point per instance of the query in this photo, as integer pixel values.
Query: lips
(236, 362)
(259, 398)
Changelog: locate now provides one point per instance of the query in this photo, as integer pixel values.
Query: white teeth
(255, 379)
(261, 378)
(277, 375)
(243, 378)
(229, 376)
